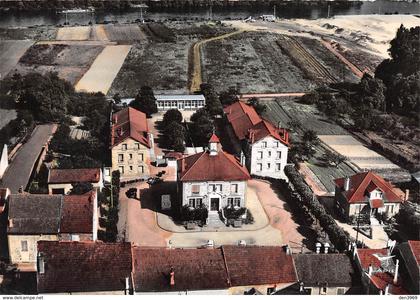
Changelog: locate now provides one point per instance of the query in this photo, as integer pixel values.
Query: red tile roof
(84, 266)
(257, 265)
(362, 183)
(203, 166)
(214, 139)
(382, 279)
(74, 175)
(194, 269)
(247, 124)
(77, 213)
(370, 257)
(376, 203)
(415, 249)
(132, 123)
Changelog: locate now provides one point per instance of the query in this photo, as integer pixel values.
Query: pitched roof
(203, 166)
(415, 250)
(370, 257)
(84, 266)
(257, 265)
(410, 254)
(214, 139)
(382, 279)
(77, 213)
(34, 214)
(247, 124)
(333, 269)
(129, 122)
(74, 175)
(362, 182)
(194, 269)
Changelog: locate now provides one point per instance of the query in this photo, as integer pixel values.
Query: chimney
(11, 223)
(387, 289)
(287, 250)
(397, 265)
(242, 158)
(370, 269)
(406, 194)
(346, 184)
(172, 279)
(127, 285)
(354, 250)
(326, 247)
(242, 243)
(301, 289)
(318, 247)
(210, 244)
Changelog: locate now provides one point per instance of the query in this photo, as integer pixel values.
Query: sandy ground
(10, 53)
(104, 69)
(78, 33)
(379, 237)
(358, 154)
(370, 31)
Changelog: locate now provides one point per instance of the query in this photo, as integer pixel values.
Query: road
(272, 95)
(20, 169)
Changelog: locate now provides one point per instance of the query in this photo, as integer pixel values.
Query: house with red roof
(409, 255)
(131, 144)
(264, 146)
(380, 273)
(60, 181)
(366, 193)
(213, 178)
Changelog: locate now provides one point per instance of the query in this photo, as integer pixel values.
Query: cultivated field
(103, 70)
(33, 33)
(10, 53)
(109, 32)
(253, 61)
(69, 61)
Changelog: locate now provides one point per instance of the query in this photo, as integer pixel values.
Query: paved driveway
(20, 169)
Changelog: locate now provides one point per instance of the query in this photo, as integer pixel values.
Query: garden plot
(162, 66)
(358, 154)
(78, 33)
(10, 53)
(253, 61)
(104, 69)
(69, 61)
(124, 33)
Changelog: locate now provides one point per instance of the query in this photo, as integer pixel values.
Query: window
(269, 153)
(195, 189)
(234, 201)
(215, 187)
(24, 246)
(278, 154)
(234, 188)
(75, 237)
(107, 171)
(131, 168)
(141, 169)
(278, 167)
(130, 156)
(324, 289)
(137, 145)
(121, 169)
(340, 291)
(259, 167)
(195, 202)
(141, 156)
(120, 157)
(264, 144)
(260, 155)
(124, 146)
(271, 290)
(268, 166)
(276, 144)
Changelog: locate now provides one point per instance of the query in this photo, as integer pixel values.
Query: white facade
(268, 157)
(214, 194)
(180, 102)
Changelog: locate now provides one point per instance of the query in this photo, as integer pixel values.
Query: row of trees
(173, 130)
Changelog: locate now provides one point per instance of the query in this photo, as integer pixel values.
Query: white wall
(266, 159)
(4, 161)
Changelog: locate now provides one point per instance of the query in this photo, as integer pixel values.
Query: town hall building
(212, 178)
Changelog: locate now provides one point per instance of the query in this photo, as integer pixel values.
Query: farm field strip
(77, 33)
(104, 69)
(10, 53)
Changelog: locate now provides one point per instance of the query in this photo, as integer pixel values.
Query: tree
(371, 92)
(255, 103)
(333, 157)
(172, 115)
(213, 105)
(202, 127)
(175, 136)
(145, 101)
(362, 117)
(80, 188)
(228, 97)
(310, 137)
(310, 98)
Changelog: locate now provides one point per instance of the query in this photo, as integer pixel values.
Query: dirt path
(273, 95)
(197, 77)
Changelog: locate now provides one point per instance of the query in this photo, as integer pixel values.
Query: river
(48, 17)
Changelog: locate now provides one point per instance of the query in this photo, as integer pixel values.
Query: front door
(214, 204)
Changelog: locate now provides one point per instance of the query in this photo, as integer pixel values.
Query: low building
(212, 178)
(408, 254)
(60, 181)
(84, 268)
(366, 193)
(180, 102)
(34, 218)
(131, 144)
(379, 273)
(264, 145)
(324, 274)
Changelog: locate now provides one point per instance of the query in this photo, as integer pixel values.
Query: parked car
(131, 193)
(154, 180)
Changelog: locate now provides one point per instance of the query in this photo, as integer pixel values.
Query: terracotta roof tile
(203, 166)
(77, 213)
(370, 257)
(129, 122)
(84, 266)
(74, 175)
(194, 269)
(257, 265)
(415, 249)
(362, 182)
(382, 279)
(214, 139)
